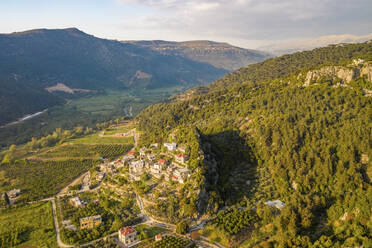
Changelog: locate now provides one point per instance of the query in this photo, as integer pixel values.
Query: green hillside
(275, 139)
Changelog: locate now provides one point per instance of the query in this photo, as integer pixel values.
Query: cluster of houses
(146, 162)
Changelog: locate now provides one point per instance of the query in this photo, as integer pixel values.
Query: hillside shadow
(236, 164)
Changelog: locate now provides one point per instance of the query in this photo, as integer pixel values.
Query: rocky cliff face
(343, 73)
(367, 70)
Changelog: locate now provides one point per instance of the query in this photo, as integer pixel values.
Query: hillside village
(161, 166)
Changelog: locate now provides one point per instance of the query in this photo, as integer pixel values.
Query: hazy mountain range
(40, 68)
(220, 55)
(285, 47)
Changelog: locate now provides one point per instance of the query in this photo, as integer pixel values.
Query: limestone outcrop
(343, 73)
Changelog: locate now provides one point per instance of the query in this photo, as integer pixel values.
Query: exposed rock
(294, 185)
(345, 74)
(332, 72)
(367, 70)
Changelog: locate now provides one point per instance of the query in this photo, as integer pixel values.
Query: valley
(87, 111)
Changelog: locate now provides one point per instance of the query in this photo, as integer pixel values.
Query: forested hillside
(276, 139)
(298, 62)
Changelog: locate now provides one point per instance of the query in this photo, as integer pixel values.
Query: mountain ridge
(286, 47)
(33, 60)
(219, 54)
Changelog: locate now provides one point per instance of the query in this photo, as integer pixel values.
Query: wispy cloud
(254, 19)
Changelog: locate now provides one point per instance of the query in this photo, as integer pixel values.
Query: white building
(76, 202)
(171, 146)
(276, 203)
(14, 193)
(127, 235)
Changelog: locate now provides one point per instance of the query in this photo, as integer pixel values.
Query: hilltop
(220, 55)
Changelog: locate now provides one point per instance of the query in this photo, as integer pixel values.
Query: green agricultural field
(28, 226)
(41, 179)
(86, 111)
(96, 139)
(112, 131)
(110, 151)
(171, 242)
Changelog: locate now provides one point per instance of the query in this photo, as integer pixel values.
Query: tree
(6, 199)
(182, 227)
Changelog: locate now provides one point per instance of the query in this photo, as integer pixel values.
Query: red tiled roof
(131, 153)
(161, 161)
(126, 230)
(182, 155)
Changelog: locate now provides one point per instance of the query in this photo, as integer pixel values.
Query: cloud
(253, 19)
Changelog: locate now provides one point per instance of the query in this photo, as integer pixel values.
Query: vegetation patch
(27, 226)
(42, 179)
(96, 139)
(109, 151)
(171, 242)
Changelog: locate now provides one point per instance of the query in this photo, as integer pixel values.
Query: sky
(245, 23)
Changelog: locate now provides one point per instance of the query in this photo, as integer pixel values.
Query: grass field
(112, 131)
(146, 231)
(215, 235)
(33, 223)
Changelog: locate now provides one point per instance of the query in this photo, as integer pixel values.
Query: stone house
(90, 222)
(127, 235)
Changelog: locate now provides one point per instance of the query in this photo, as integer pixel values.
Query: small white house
(171, 146)
(76, 202)
(127, 235)
(276, 203)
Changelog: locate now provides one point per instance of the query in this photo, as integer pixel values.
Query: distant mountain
(220, 55)
(308, 44)
(36, 61)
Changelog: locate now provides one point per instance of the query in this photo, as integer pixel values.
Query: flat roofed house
(127, 235)
(276, 203)
(76, 202)
(100, 176)
(171, 146)
(90, 222)
(14, 193)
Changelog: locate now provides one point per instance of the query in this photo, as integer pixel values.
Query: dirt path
(56, 225)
